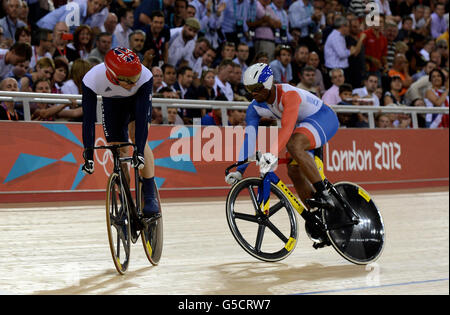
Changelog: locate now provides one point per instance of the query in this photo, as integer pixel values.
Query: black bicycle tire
(153, 251)
(121, 266)
(293, 237)
(375, 212)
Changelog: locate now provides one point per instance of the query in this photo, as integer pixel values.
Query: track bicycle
(124, 218)
(261, 216)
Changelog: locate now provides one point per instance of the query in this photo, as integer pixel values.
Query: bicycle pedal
(321, 244)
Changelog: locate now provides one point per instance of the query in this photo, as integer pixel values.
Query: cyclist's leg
(301, 183)
(313, 132)
(151, 204)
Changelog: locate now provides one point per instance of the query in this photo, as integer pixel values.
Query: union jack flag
(124, 53)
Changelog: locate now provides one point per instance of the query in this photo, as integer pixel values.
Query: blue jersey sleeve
(143, 114)
(89, 104)
(251, 131)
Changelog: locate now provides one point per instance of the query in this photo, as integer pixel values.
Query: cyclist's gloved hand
(88, 167)
(233, 177)
(267, 162)
(138, 161)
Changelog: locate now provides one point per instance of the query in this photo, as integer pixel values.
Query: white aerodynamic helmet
(257, 75)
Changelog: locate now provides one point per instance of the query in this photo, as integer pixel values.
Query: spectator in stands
(266, 21)
(236, 117)
(369, 89)
(182, 40)
(401, 69)
(206, 89)
(23, 35)
(222, 86)
(212, 21)
(137, 41)
(227, 52)
(430, 65)
(169, 76)
(67, 12)
(45, 43)
(60, 75)
(336, 52)
(207, 60)
(383, 121)
(7, 109)
(300, 16)
(190, 10)
(300, 59)
(45, 68)
(242, 55)
(173, 117)
(185, 76)
(438, 23)
(346, 120)
(427, 49)
(261, 57)
(157, 118)
(157, 78)
(240, 93)
(234, 26)
(124, 28)
(10, 23)
(79, 68)
(421, 120)
(357, 60)
(41, 86)
(110, 27)
(103, 45)
(83, 40)
(331, 96)
(281, 66)
(282, 35)
(442, 48)
(308, 78)
(158, 37)
(393, 96)
(391, 33)
(18, 53)
(314, 61)
(195, 59)
(375, 45)
(19, 71)
(60, 46)
(177, 17)
(404, 34)
(437, 96)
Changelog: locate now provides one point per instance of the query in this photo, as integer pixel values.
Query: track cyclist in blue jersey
(306, 124)
(126, 89)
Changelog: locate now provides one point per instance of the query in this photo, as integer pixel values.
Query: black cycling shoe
(149, 218)
(321, 200)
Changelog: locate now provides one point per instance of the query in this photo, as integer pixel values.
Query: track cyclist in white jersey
(126, 89)
(306, 124)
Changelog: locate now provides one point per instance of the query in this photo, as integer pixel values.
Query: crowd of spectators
(347, 52)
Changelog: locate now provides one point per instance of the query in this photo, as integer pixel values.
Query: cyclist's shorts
(117, 114)
(320, 127)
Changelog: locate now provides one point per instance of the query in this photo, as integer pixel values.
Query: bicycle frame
(118, 169)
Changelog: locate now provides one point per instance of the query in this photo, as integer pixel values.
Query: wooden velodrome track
(62, 248)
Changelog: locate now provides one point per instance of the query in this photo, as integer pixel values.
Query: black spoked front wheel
(118, 223)
(360, 243)
(269, 237)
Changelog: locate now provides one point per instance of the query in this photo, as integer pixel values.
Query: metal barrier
(27, 98)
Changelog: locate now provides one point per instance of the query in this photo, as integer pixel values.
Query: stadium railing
(28, 98)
